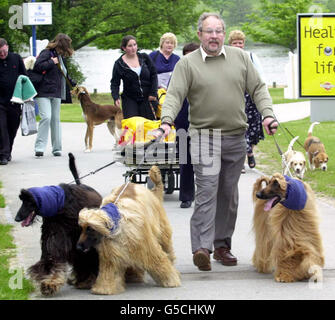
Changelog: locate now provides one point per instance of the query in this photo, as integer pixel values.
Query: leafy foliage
(104, 23)
(276, 22)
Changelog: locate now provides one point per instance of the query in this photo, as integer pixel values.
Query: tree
(104, 23)
(234, 12)
(276, 22)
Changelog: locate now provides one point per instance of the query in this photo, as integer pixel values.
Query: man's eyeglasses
(211, 31)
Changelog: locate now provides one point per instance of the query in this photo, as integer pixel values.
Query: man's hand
(162, 131)
(270, 125)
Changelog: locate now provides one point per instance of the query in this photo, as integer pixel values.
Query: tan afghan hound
(135, 238)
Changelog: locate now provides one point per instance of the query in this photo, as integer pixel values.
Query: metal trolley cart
(163, 154)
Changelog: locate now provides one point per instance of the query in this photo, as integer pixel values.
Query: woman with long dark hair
(139, 76)
(52, 91)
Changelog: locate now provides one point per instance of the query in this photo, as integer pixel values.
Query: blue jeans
(49, 110)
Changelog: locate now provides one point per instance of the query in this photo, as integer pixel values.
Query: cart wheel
(150, 184)
(170, 183)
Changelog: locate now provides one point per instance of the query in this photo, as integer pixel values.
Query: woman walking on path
(139, 76)
(51, 92)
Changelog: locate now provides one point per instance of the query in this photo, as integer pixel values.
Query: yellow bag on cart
(161, 93)
(137, 129)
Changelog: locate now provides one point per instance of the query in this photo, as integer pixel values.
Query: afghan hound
(59, 207)
(132, 235)
(293, 225)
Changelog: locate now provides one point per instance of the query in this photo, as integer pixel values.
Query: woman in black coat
(51, 92)
(139, 76)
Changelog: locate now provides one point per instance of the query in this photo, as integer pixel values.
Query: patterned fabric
(255, 131)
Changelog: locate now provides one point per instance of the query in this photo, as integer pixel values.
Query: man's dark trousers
(9, 123)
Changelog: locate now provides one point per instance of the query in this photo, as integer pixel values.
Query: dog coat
(296, 195)
(113, 213)
(49, 199)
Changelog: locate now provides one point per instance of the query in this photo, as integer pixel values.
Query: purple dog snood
(296, 196)
(113, 213)
(49, 199)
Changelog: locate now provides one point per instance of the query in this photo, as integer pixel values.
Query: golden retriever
(292, 224)
(137, 239)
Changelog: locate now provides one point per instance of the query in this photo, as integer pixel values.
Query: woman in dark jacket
(51, 92)
(139, 77)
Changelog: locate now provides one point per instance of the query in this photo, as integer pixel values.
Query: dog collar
(49, 199)
(296, 195)
(113, 213)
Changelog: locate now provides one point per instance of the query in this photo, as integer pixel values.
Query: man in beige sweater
(214, 79)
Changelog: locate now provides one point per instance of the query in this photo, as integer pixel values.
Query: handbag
(28, 119)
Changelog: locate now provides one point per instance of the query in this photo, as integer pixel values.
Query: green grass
(13, 285)
(277, 95)
(269, 160)
(73, 112)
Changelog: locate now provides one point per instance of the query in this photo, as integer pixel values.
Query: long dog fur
(142, 242)
(296, 246)
(96, 114)
(261, 229)
(59, 236)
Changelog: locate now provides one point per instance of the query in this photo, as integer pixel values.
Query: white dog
(294, 160)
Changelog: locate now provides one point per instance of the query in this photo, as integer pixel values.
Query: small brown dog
(291, 230)
(315, 150)
(294, 160)
(135, 238)
(96, 114)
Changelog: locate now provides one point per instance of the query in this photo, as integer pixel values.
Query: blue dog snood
(113, 213)
(49, 199)
(296, 196)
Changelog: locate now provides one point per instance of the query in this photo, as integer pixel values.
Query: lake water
(97, 65)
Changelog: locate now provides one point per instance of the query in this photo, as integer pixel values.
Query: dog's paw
(87, 150)
(87, 284)
(107, 290)
(49, 288)
(284, 278)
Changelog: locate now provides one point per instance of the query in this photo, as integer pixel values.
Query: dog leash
(277, 145)
(66, 78)
(95, 171)
(149, 145)
(293, 137)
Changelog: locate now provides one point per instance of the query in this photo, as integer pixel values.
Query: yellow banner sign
(316, 40)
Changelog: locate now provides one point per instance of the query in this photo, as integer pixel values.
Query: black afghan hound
(59, 207)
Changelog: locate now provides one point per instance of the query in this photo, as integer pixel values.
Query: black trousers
(10, 114)
(133, 108)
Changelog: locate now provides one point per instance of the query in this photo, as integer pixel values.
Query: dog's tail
(310, 130)
(156, 178)
(290, 146)
(73, 168)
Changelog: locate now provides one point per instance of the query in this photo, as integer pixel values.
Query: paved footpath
(239, 282)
